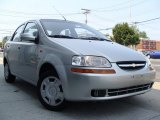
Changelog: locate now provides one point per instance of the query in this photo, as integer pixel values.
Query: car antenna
(60, 13)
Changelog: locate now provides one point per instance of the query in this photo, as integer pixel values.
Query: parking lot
(19, 101)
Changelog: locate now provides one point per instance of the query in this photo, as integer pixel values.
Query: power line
(147, 20)
(6, 33)
(120, 8)
(14, 16)
(15, 13)
(146, 23)
(32, 13)
(76, 13)
(111, 6)
(59, 13)
(103, 18)
(7, 30)
(67, 14)
(151, 27)
(28, 13)
(106, 29)
(136, 23)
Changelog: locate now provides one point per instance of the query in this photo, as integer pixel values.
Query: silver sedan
(71, 61)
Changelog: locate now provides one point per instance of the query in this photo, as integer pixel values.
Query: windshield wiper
(95, 38)
(61, 36)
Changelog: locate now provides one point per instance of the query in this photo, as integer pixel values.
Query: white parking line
(156, 85)
(156, 65)
(1, 60)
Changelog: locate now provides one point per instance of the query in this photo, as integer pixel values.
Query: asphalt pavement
(18, 101)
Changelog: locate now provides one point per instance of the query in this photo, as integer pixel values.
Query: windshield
(70, 30)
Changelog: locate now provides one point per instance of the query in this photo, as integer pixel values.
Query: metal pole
(86, 19)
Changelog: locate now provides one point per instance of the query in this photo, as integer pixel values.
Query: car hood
(112, 51)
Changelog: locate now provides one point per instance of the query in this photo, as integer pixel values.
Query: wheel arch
(55, 63)
(48, 67)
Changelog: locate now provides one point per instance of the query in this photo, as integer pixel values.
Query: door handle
(19, 48)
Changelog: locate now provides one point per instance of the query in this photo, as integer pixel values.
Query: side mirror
(29, 37)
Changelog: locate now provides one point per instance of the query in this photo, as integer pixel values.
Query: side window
(16, 36)
(31, 29)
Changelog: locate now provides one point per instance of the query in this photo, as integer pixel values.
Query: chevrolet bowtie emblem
(133, 65)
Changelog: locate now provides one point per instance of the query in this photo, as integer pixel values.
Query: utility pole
(86, 12)
(130, 14)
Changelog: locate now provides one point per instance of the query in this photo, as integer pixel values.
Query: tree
(126, 35)
(143, 35)
(5, 39)
(0, 44)
(111, 37)
(135, 39)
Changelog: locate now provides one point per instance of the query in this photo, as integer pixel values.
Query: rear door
(13, 49)
(28, 56)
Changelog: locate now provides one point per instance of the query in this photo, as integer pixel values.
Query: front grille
(131, 65)
(127, 90)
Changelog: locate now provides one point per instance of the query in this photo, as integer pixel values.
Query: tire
(9, 78)
(50, 92)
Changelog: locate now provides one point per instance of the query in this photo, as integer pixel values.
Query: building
(148, 45)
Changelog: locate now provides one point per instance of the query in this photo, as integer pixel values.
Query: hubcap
(51, 91)
(6, 71)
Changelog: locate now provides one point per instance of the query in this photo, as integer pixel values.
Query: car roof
(57, 20)
(52, 20)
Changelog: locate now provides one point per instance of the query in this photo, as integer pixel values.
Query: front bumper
(79, 85)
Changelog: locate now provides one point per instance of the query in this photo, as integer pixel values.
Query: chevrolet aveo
(69, 61)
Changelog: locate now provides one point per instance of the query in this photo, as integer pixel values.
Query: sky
(103, 13)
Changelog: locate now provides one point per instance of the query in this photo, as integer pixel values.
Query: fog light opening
(98, 93)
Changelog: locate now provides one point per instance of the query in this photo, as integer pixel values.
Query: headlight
(90, 61)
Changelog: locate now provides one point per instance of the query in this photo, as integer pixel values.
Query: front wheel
(50, 91)
(9, 78)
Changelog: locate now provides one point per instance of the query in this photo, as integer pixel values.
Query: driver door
(28, 56)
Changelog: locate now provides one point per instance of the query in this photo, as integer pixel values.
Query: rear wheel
(9, 78)
(50, 91)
